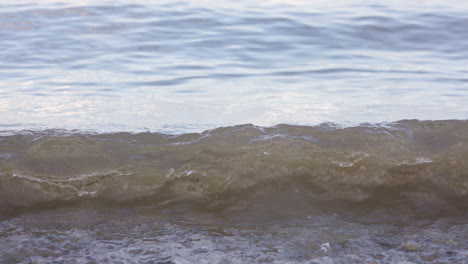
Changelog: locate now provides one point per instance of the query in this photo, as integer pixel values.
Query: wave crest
(416, 163)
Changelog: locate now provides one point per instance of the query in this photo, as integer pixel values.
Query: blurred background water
(179, 66)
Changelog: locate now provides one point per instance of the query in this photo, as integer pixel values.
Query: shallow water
(281, 131)
(375, 193)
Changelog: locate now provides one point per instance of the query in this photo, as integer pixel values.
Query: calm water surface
(186, 66)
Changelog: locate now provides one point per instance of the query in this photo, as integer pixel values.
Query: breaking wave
(417, 166)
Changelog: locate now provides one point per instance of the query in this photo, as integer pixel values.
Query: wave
(412, 165)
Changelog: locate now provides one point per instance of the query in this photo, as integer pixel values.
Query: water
(183, 67)
(233, 132)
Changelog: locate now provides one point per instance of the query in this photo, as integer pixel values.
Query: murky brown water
(383, 193)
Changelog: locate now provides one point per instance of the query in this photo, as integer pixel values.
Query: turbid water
(372, 193)
(233, 132)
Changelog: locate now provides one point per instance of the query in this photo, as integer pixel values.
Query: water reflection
(75, 65)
